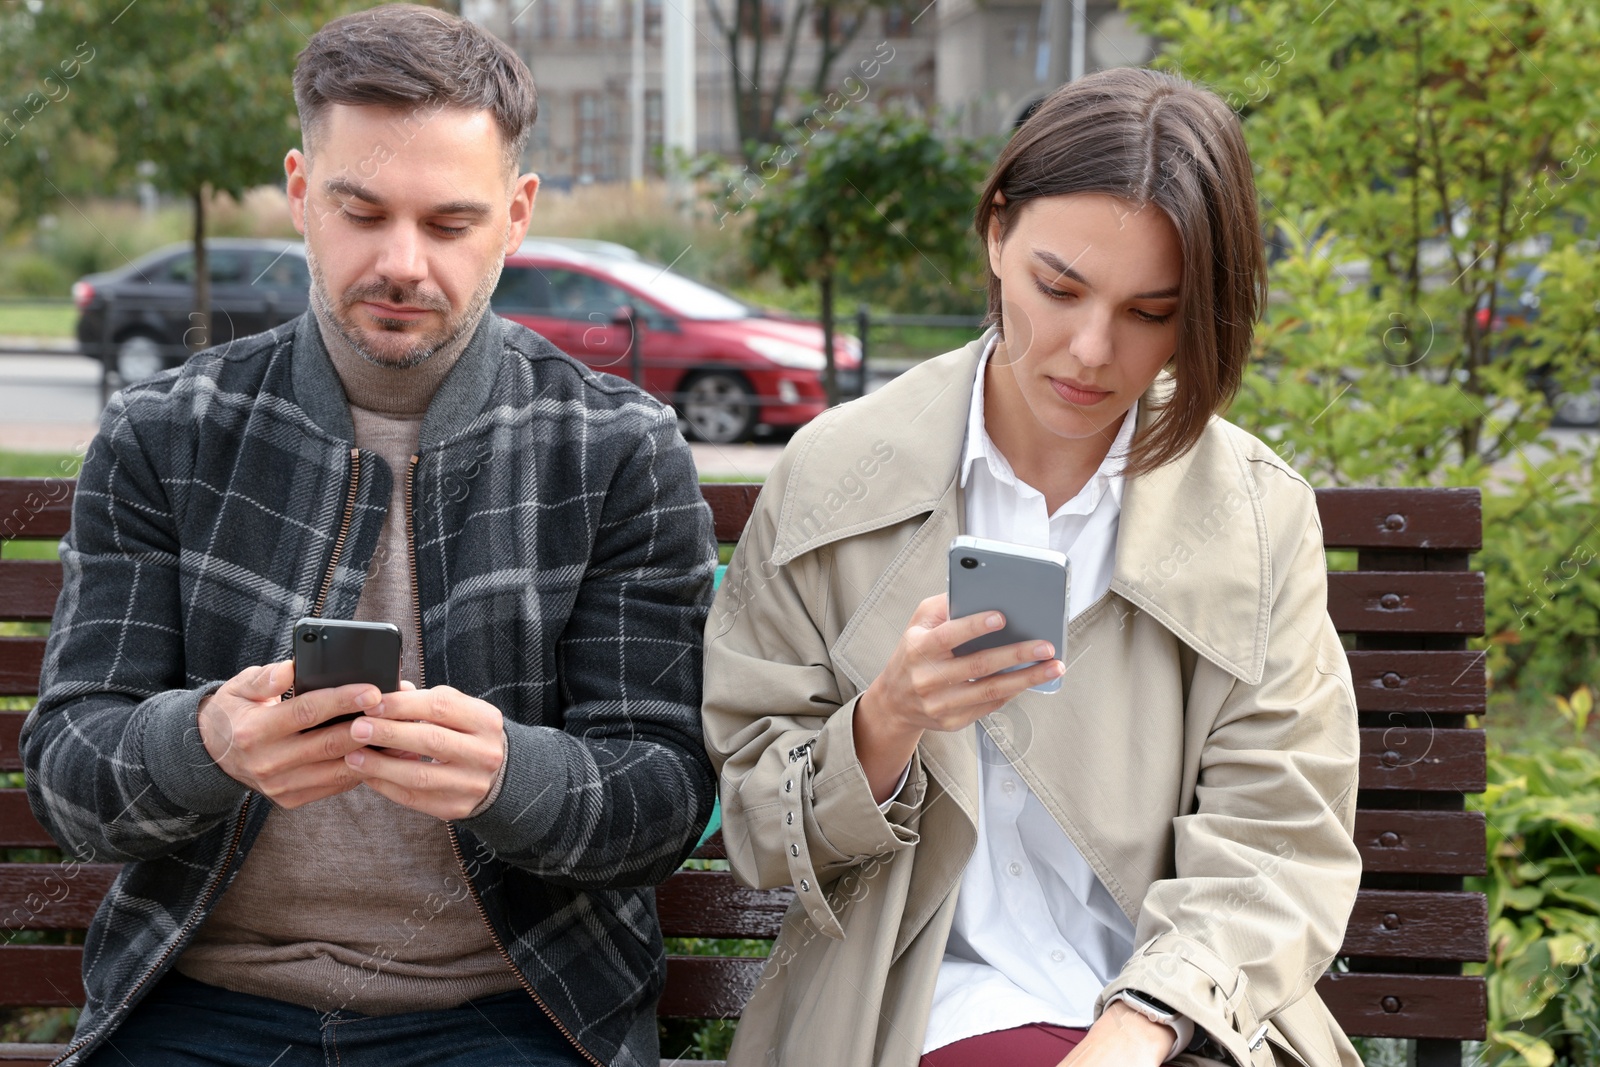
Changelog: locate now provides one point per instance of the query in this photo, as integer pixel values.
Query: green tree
(200, 92)
(1428, 175)
(868, 196)
(762, 86)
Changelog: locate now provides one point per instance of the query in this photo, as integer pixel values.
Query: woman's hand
(925, 686)
(1121, 1037)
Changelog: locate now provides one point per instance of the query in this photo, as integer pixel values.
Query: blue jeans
(185, 1023)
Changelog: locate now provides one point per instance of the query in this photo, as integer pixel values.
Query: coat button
(1015, 869)
(788, 786)
(805, 886)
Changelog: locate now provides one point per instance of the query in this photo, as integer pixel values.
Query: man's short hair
(408, 56)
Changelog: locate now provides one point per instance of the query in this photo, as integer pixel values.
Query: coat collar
(1191, 544)
(460, 397)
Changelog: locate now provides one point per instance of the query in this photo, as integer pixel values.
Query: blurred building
(982, 60)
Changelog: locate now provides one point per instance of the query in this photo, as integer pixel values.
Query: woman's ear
(993, 238)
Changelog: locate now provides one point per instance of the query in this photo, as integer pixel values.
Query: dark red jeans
(1037, 1045)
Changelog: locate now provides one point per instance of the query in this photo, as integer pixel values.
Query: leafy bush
(31, 274)
(1543, 888)
(1432, 207)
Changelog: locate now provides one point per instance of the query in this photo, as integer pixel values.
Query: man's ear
(297, 172)
(524, 190)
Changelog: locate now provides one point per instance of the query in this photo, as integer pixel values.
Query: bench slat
(1406, 602)
(731, 504)
(1449, 1007)
(52, 896)
(713, 904)
(1421, 842)
(1437, 519)
(41, 976)
(35, 507)
(1402, 924)
(20, 660)
(1385, 923)
(18, 827)
(1439, 682)
(708, 987)
(32, 1055)
(10, 752)
(1424, 759)
(29, 588)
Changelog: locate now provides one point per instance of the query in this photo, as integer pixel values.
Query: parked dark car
(727, 367)
(137, 318)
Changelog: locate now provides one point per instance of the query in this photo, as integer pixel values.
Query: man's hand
(255, 736)
(462, 736)
(1121, 1037)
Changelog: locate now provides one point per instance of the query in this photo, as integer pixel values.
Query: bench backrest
(1410, 607)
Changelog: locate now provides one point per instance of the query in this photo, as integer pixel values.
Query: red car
(725, 366)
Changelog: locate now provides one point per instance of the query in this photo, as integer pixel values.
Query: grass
(38, 320)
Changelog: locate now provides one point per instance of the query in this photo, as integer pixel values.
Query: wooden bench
(1410, 607)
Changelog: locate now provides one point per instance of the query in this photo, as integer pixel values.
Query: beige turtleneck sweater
(353, 901)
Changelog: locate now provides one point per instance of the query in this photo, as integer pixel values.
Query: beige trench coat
(1201, 753)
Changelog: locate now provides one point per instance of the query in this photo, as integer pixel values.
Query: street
(52, 404)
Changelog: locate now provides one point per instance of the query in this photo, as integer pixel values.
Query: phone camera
(969, 563)
(309, 637)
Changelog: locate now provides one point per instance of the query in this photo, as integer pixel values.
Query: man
(455, 876)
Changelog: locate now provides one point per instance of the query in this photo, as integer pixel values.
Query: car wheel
(138, 357)
(719, 407)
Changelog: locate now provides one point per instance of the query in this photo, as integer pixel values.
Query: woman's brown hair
(1151, 138)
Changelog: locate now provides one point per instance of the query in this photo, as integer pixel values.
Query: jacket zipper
(344, 533)
(455, 841)
(238, 829)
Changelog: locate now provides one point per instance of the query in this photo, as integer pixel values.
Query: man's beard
(342, 319)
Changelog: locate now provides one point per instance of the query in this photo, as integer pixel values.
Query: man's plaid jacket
(564, 562)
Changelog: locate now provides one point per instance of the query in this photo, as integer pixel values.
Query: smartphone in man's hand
(332, 652)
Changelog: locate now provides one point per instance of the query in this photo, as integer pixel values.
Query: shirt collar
(979, 446)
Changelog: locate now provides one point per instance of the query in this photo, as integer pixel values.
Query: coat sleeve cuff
(499, 780)
(1197, 984)
(847, 816)
(180, 767)
(532, 787)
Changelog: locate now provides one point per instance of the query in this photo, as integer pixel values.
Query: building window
(547, 19)
(654, 131)
(652, 18)
(587, 26)
(831, 24)
(591, 135)
(897, 21)
(771, 18)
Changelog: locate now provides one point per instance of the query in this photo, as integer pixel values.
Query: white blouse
(1036, 936)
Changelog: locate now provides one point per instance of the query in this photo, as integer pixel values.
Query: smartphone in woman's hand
(1026, 585)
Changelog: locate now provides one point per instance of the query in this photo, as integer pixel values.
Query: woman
(1154, 862)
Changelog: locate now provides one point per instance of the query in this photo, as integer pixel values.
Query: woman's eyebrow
(1066, 270)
